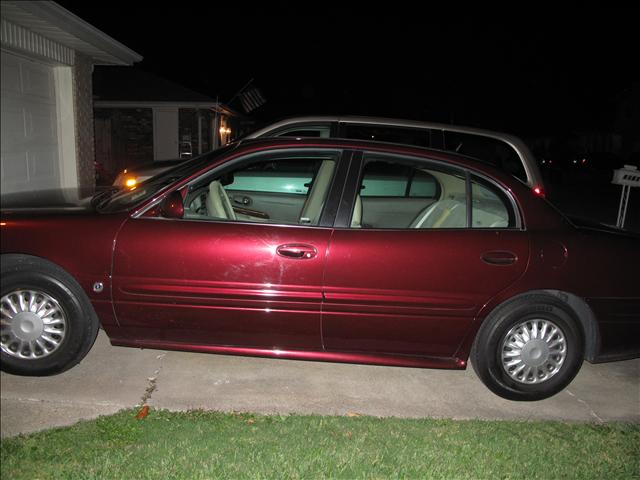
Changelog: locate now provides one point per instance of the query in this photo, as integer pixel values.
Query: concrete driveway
(113, 378)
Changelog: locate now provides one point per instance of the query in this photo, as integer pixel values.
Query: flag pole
(216, 127)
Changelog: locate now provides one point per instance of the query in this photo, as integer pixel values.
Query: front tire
(530, 348)
(48, 324)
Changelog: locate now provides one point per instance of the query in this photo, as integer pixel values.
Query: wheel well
(582, 311)
(10, 260)
(17, 258)
(52, 283)
(587, 320)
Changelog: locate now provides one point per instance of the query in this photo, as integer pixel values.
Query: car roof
(526, 156)
(384, 122)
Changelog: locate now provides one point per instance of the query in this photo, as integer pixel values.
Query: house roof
(54, 22)
(132, 86)
(135, 84)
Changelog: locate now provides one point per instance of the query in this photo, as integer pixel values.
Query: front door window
(275, 189)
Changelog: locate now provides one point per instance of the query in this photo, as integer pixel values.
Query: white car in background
(507, 152)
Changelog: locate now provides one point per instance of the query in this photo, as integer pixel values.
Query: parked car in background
(502, 150)
(132, 177)
(324, 249)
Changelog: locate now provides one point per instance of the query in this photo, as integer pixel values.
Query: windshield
(116, 200)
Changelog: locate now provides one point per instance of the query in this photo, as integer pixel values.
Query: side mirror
(172, 206)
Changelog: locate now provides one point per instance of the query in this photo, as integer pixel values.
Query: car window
(381, 133)
(423, 184)
(315, 131)
(284, 189)
(416, 195)
(490, 208)
(115, 200)
(278, 176)
(424, 196)
(491, 150)
(384, 179)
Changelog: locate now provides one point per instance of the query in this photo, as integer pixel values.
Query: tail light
(538, 191)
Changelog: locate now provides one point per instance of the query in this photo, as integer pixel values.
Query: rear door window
(489, 206)
(394, 192)
(435, 197)
(385, 179)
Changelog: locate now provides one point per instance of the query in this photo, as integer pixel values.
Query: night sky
(530, 72)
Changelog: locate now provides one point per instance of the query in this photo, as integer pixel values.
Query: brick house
(48, 55)
(141, 118)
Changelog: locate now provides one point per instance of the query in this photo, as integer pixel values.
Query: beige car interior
(448, 213)
(356, 217)
(312, 208)
(218, 203)
(449, 210)
(488, 211)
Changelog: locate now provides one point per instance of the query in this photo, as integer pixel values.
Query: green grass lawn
(215, 445)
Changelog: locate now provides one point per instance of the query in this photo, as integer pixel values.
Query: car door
(208, 280)
(416, 290)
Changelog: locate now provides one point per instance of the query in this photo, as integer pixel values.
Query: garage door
(29, 157)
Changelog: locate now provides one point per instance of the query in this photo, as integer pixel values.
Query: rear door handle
(297, 250)
(499, 258)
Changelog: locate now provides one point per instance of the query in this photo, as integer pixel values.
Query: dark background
(528, 71)
(555, 75)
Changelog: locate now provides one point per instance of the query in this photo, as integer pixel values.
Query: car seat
(218, 203)
(356, 218)
(310, 214)
(448, 213)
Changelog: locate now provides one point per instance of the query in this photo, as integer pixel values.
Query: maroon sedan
(333, 250)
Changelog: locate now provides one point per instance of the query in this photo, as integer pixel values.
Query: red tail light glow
(538, 191)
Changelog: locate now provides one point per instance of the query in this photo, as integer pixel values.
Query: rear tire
(529, 348)
(48, 323)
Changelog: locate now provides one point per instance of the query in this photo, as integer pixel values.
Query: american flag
(251, 99)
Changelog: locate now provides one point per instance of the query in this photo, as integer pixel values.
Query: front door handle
(297, 250)
(242, 200)
(498, 257)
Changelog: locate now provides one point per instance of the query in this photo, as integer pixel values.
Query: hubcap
(533, 351)
(33, 324)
